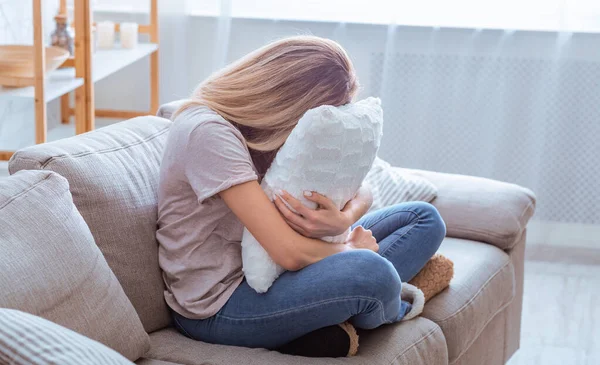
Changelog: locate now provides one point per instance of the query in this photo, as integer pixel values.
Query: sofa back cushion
(167, 110)
(52, 268)
(113, 176)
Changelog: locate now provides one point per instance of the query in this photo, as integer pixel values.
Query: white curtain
(518, 106)
(514, 106)
(176, 41)
(182, 51)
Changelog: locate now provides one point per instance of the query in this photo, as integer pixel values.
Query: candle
(129, 35)
(105, 32)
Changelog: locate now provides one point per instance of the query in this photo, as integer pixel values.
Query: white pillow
(392, 185)
(26, 339)
(330, 151)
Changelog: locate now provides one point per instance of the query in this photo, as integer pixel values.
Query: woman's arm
(327, 219)
(359, 205)
(286, 247)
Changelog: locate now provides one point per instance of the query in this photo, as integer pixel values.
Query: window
(562, 15)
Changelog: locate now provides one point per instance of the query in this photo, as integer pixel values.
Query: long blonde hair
(265, 93)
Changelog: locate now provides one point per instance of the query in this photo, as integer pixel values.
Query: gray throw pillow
(26, 339)
(392, 185)
(52, 268)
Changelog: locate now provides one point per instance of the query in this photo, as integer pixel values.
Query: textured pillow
(52, 268)
(29, 340)
(390, 185)
(330, 151)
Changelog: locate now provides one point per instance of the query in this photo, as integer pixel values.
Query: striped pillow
(391, 185)
(26, 339)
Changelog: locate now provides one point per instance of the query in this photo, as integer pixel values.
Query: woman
(219, 147)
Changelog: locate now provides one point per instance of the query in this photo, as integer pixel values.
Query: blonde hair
(265, 93)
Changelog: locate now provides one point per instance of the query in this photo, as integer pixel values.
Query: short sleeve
(216, 159)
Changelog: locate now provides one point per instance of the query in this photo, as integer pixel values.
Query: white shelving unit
(59, 82)
(79, 74)
(63, 81)
(107, 62)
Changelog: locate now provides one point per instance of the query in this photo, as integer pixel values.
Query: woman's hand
(286, 247)
(326, 220)
(362, 238)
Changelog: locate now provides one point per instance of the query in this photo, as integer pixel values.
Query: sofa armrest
(481, 209)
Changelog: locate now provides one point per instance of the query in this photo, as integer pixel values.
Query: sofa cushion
(483, 285)
(147, 361)
(113, 174)
(167, 110)
(25, 340)
(52, 268)
(481, 209)
(415, 342)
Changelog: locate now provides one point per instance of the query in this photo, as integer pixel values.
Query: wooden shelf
(59, 82)
(105, 63)
(84, 69)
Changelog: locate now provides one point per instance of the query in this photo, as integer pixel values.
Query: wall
(513, 106)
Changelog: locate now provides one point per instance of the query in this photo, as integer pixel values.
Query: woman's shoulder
(202, 122)
(199, 116)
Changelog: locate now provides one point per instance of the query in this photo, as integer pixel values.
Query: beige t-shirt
(199, 236)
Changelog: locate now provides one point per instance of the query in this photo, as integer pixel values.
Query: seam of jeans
(397, 212)
(182, 329)
(404, 234)
(377, 301)
(429, 334)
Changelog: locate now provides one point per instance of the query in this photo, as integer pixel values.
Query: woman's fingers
(322, 200)
(297, 222)
(363, 238)
(298, 229)
(296, 204)
(287, 213)
(357, 230)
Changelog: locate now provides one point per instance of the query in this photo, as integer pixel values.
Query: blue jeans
(360, 286)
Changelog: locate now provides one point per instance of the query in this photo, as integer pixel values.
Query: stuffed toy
(434, 277)
(330, 151)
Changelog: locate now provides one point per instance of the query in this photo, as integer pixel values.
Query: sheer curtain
(553, 15)
(501, 89)
(176, 40)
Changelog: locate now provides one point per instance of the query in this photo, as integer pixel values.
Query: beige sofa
(113, 174)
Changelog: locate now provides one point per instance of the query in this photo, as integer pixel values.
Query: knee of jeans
(369, 274)
(429, 215)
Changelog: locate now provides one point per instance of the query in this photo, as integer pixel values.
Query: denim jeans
(360, 286)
